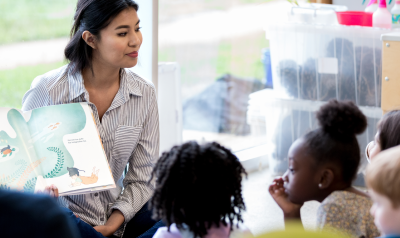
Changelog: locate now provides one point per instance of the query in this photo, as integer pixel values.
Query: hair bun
(341, 119)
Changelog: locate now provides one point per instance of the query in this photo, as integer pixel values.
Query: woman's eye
(291, 170)
(138, 29)
(122, 34)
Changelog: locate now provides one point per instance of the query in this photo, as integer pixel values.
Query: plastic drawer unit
(289, 119)
(321, 62)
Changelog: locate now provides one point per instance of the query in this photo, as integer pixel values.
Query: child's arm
(290, 210)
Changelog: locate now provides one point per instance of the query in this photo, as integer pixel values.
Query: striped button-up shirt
(130, 134)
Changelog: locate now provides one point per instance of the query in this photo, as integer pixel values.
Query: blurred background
(226, 56)
(217, 43)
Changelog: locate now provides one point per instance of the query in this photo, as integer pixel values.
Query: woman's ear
(89, 38)
(326, 179)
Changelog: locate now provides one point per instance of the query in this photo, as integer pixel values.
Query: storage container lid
(394, 36)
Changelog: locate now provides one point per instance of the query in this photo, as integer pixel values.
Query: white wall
(145, 66)
(169, 105)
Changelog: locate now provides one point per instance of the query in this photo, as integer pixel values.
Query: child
(198, 191)
(383, 182)
(388, 134)
(322, 166)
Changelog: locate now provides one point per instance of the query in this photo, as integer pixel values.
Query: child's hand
(52, 191)
(277, 191)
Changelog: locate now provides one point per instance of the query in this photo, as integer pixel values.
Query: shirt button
(101, 219)
(96, 194)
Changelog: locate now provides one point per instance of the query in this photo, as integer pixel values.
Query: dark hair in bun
(335, 141)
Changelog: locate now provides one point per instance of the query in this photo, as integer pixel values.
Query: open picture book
(57, 145)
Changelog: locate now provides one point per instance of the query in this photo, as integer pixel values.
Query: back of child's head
(389, 130)
(382, 175)
(335, 141)
(198, 186)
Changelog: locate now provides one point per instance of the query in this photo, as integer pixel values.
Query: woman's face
(301, 184)
(374, 148)
(120, 41)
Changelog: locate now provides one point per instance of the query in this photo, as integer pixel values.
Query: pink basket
(355, 18)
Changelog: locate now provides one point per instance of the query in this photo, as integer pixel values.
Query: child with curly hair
(198, 192)
(322, 166)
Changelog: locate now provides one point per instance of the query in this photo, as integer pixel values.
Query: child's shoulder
(163, 232)
(343, 196)
(346, 201)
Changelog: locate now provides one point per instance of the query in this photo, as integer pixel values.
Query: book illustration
(30, 185)
(52, 145)
(46, 134)
(39, 137)
(8, 151)
(24, 177)
(77, 180)
(5, 181)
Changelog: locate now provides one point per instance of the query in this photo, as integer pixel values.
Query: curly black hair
(199, 186)
(335, 141)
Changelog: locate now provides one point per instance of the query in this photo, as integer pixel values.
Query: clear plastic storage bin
(289, 119)
(321, 62)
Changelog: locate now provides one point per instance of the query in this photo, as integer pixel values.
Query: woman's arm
(113, 223)
(37, 96)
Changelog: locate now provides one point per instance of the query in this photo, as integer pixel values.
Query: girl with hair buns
(104, 45)
(322, 166)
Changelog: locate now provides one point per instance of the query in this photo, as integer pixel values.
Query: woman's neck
(102, 77)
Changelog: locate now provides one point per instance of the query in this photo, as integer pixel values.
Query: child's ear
(326, 179)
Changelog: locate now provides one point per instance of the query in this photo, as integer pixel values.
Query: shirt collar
(128, 86)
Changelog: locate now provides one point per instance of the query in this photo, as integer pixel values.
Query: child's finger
(55, 190)
(271, 188)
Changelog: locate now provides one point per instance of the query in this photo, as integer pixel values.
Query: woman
(105, 41)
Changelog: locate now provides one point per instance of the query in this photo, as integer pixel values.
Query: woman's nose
(135, 40)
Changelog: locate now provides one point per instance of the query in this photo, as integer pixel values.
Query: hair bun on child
(341, 119)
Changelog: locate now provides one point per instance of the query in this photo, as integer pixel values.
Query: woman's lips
(133, 54)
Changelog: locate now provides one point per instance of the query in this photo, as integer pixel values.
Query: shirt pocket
(126, 139)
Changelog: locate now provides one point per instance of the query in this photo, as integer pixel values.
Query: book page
(18, 160)
(68, 135)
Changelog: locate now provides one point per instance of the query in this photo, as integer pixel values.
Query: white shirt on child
(214, 232)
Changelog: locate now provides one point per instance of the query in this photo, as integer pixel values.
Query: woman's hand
(52, 191)
(105, 230)
(113, 223)
(277, 191)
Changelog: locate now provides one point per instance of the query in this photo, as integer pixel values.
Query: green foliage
(293, 2)
(14, 83)
(26, 20)
(240, 56)
(60, 162)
